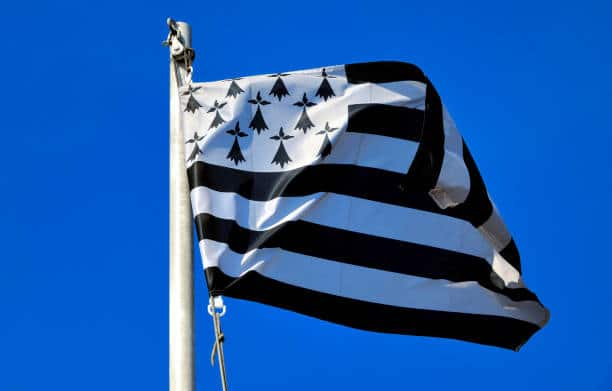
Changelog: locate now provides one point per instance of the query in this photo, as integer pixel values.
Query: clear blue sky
(84, 104)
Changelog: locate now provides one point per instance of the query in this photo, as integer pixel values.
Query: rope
(218, 341)
(214, 304)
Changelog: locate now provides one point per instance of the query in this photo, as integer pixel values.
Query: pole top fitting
(179, 42)
(172, 25)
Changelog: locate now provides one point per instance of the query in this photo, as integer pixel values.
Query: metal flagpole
(181, 349)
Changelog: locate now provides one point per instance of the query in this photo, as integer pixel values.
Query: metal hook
(216, 303)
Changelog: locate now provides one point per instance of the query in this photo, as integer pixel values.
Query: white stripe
(495, 230)
(374, 286)
(399, 93)
(346, 213)
(453, 184)
(511, 277)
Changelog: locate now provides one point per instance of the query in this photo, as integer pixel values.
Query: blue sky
(84, 178)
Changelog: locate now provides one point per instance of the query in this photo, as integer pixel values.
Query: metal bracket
(180, 48)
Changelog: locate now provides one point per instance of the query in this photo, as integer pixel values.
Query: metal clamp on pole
(179, 41)
(217, 309)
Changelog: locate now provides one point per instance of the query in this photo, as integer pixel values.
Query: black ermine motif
(304, 123)
(235, 153)
(234, 89)
(192, 104)
(281, 157)
(325, 90)
(279, 89)
(258, 123)
(218, 120)
(326, 147)
(196, 151)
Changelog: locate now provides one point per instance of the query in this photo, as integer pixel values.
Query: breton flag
(346, 193)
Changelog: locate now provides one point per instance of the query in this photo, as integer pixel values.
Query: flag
(347, 193)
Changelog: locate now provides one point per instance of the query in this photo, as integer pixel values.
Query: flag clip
(215, 304)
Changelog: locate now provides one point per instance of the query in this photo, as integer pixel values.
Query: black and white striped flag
(346, 193)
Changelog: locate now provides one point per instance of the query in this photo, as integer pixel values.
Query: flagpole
(181, 311)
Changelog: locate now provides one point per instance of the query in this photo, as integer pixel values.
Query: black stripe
(477, 207)
(386, 120)
(483, 329)
(355, 181)
(363, 182)
(511, 255)
(425, 168)
(358, 249)
(383, 72)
